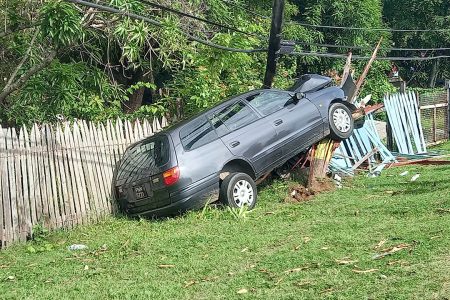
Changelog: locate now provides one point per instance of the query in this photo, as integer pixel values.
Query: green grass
(277, 251)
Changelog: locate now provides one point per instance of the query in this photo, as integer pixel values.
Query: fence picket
(3, 224)
(102, 167)
(25, 218)
(36, 172)
(65, 186)
(11, 142)
(108, 163)
(71, 185)
(79, 149)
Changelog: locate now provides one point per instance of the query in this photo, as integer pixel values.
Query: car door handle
(234, 144)
(278, 122)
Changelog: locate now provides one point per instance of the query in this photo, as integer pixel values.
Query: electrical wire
(159, 24)
(368, 48)
(338, 27)
(182, 13)
(358, 57)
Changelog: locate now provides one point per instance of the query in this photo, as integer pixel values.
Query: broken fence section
(60, 176)
(364, 146)
(405, 122)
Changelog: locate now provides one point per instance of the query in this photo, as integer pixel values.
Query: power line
(159, 24)
(338, 27)
(369, 29)
(182, 13)
(368, 48)
(358, 57)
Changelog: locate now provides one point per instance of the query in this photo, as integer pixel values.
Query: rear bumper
(188, 199)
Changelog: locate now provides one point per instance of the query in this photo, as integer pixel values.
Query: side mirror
(298, 97)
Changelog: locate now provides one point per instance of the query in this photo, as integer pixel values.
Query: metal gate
(434, 111)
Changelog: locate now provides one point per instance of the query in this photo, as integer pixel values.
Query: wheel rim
(243, 193)
(341, 120)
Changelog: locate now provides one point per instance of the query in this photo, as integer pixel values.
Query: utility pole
(274, 42)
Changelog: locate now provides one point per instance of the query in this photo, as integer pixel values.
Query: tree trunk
(434, 73)
(135, 101)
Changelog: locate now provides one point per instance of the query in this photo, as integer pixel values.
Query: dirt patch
(300, 193)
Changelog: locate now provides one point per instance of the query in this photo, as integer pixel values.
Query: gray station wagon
(220, 153)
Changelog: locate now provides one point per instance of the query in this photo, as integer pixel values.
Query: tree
(423, 14)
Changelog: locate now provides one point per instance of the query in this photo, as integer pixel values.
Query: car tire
(341, 121)
(238, 189)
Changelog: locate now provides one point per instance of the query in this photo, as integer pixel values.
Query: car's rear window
(144, 158)
(197, 133)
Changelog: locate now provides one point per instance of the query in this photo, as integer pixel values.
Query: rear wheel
(238, 189)
(341, 122)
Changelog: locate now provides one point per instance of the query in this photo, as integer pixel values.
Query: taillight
(171, 176)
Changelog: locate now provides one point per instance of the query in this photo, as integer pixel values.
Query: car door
(246, 134)
(296, 124)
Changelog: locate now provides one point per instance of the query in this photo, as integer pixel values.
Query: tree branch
(23, 79)
(24, 59)
(20, 28)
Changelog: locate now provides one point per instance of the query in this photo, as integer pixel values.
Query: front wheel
(341, 122)
(238, 189)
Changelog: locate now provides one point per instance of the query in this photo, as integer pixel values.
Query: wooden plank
(137, 130)
(19, 187)
(129, 132)
(121, 137)
(78, 147)
(11, 140)
(54, 180)
(147, 128)
(108, 163)
(26, 214)
(58, 184)
(433, 106)
(113, 141)
(30, 180)
(85, 153)
(401, 109)
(408, 123)
(96, 180)
(101, 166)
(79, 177)
(34, 144)
(69, 202)
(419, 122)
(414, 123)
(164, 122)
(3, 225)
(61, 171)
(156, 125)
(396, 124)
(49, 203)
(68, 143)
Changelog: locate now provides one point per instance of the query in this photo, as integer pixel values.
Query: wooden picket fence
(60, 176)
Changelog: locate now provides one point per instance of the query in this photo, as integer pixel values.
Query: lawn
(323, 248)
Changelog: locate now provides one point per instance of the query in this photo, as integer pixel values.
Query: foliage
(109, 65)
(61, 23)
(429, 14)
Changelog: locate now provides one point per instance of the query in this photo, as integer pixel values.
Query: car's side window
(233, 117)
(269, 102)
(197, 133)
